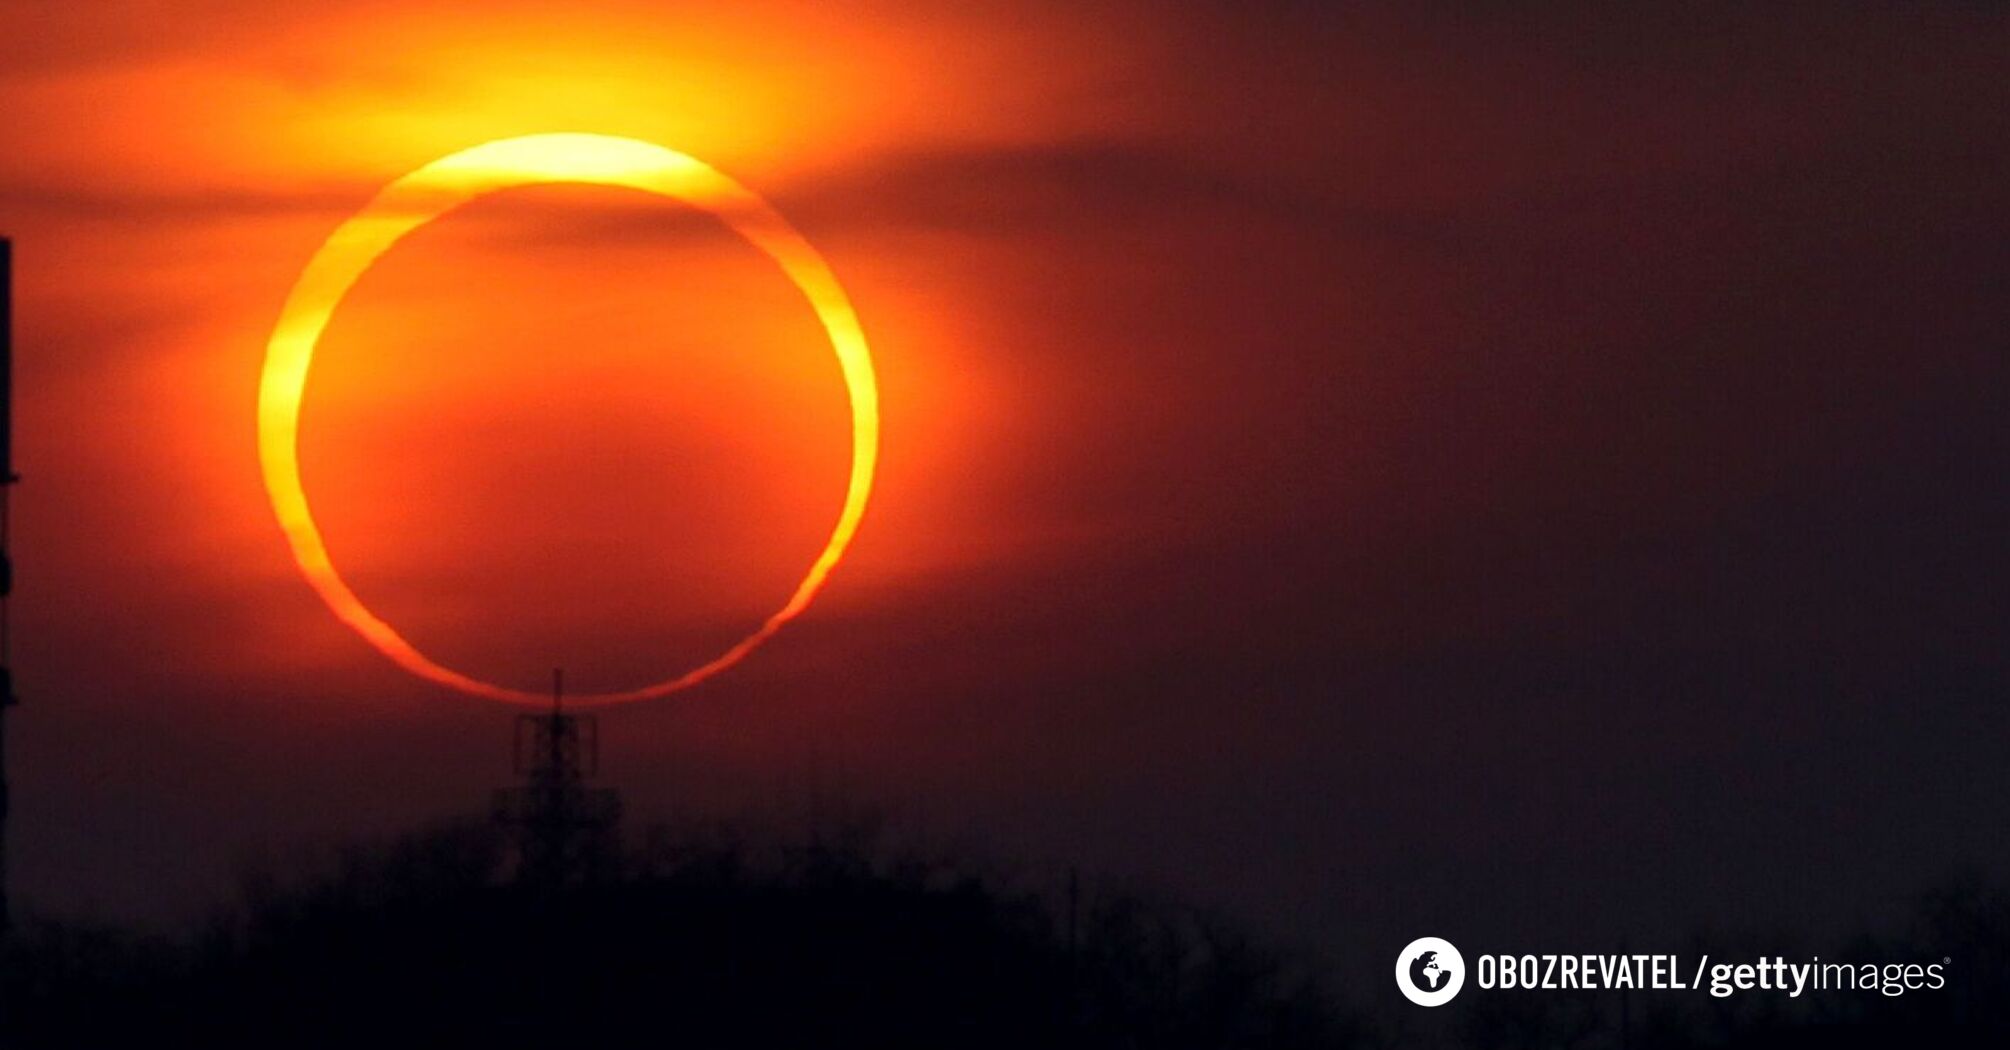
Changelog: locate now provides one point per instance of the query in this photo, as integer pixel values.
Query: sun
(430, 192)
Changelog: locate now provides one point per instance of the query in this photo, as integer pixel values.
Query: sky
(1528, 472)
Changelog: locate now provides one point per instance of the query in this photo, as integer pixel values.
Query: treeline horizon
(717, 937)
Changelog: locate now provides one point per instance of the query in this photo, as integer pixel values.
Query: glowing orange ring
(453, 180)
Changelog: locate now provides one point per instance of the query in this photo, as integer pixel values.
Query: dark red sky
(1531, 474)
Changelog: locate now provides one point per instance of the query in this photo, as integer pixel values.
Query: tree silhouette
(692, 941)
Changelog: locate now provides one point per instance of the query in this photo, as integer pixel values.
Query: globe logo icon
(1426, 972)
(1429, 971)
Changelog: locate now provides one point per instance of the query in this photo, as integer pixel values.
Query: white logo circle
(1430, 971)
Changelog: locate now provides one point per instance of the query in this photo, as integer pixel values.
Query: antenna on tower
(563, 830)
(7, 480)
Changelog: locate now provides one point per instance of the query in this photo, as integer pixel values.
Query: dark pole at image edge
(7, 479)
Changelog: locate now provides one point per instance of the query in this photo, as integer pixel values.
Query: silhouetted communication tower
(563, 830)
(7, 480)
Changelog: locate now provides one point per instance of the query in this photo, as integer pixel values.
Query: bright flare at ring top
(453, 180)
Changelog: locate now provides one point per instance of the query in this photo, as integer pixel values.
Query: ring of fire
(430, 192)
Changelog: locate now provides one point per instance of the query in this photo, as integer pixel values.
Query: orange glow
(437, 188)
